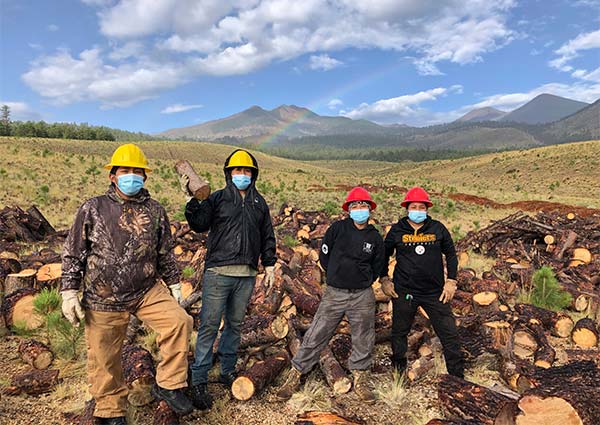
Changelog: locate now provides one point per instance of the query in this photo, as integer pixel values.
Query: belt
(348, 290)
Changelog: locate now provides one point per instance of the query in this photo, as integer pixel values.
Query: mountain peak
(482, 114)
(544, 108)
(291, 112)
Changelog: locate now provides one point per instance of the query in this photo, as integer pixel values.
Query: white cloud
(570, 50)
(53, 28)
(35, 46)
(323, 63)
(334, 104)
(21, 111)
(178, 107)
(400, 109)
(190, 38)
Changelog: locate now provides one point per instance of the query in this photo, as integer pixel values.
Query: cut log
(592, 354)
(139, 372)
(524, 341)
(261, 374)
(582, 254)
(198, 187)
(48, 276)
(24, 279)
(164, 415)
(36, 381)
(35, 354)
(341, 346)
(260, 330)
(305, 303)
(17, 309)
(324, 418)
(485, 302)
(565, 243)
(585, 333)
(420, 367)
(465, 400)
(558, 324)
(549, 240)
(335, 375)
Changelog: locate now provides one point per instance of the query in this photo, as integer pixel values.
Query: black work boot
(176, 400)
(112, 421)
(399, 364)
(201, 398)
(228, 378)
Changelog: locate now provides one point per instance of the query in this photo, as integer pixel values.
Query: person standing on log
(119, 248)
(420, 242)
(352, 254)
(240, 231)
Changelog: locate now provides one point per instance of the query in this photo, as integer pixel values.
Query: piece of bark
(325, 418)
(35, 353)
(465, 400)
(164, 415)
(335, 375)
(585, 333)
(260, 330)
(138, 372)
(36, 381)
(197, 186)
(25, 279)
(261, 374)
(559, 324)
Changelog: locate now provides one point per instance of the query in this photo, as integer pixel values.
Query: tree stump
(25, 279)
(585, 333)
(335, 375)
(261, 374)
(199, 188)
(35, 354)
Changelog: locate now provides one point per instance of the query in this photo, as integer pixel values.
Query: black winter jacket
(240, 229)
(419, 266)
(351, 257)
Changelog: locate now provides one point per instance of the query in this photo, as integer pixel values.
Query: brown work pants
(105, 332)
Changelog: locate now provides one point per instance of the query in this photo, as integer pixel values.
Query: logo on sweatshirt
(325, 249)
(420, 249)
(368, 247)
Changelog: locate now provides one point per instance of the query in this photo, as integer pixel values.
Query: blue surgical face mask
(130, 184)
(359, 216)
(417, 216)
(241, 181)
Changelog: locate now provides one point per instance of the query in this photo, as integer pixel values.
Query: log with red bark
(485, 302)
(591, 354)
(307, 304)
(198, 187)
(261, 374)
(139, 372)
(260, 330)
(25, 226)
(325, 418)
(341, 346)
(558, 324)
(17, 309)
(25, 279)
(9, 263)
(335, 375)
(164, 415)
(465, 400)
(420, 367)
(34, 382)
(35, 353)
(585, 333)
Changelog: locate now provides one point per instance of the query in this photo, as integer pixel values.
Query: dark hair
(114, 169)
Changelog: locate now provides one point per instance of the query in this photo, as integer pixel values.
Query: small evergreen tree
(5, 120)
(547, 292)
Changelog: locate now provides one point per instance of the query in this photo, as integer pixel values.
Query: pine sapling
(547, 292)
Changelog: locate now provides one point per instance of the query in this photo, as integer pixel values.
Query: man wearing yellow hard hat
(118, 250)
(240, 232)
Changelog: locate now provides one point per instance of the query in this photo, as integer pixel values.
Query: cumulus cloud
(570, 50)
(334, 104)
(21, 111)
(178, 107)
(404, 108)
(323, 63)
(53, 28)
(190, 38)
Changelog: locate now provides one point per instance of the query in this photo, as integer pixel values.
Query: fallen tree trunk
(260, 330)
(36, 381)
(335, 375)
(261, 374)
(35, 354)
(139, 372)
(558, 324)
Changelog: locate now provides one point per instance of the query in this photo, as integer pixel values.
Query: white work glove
(176, 292)
(184, 181)
(387, 286)
(448, 291)
(71, 307)
(269, 277)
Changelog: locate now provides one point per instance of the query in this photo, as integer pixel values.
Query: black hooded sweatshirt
(240, 228)
(419, 266)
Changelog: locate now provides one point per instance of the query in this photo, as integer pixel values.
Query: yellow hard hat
(128, 155)
(240, 158)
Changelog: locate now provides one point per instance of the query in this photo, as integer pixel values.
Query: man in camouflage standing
(118, 249)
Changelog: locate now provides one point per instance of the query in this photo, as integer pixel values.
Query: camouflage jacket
(120, 249)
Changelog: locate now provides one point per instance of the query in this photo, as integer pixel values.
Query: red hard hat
(358, 194)
(416, 194)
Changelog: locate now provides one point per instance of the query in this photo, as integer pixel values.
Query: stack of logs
(522, 337)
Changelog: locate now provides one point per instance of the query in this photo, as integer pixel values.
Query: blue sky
(151, 65)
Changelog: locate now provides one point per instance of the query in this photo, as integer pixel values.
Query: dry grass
(311, 396)
(479, 263)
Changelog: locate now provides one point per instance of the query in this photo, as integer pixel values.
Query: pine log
(592, 354)
(324, 418)
(17, 309)
(24, 279)
(524, 340)
(139, 372)
(420, 367)
(465, 400)
(335, 375)
(49, 275)
(260, 330)
(565, 243)
(307, 304)
(341, 346)
(485, 302)
(8, 265)
(197, 186)
(585, 333)
(35, 354)
(582, 254)
(36, 381)
(578, 373)
(261, 374)
(43, 227)
(164, 415)
(559, 324)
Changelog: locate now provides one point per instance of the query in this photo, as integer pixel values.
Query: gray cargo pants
(359, 307)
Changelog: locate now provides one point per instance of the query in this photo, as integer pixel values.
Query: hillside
(482, 114)
(584, 124)
(544, 108)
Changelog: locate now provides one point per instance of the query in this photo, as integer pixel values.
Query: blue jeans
(220, 295)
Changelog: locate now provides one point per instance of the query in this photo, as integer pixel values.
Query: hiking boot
(112, 421)
(201, 398)
(228, 378)
(362, 387)
(176, 400)
(290, 385)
